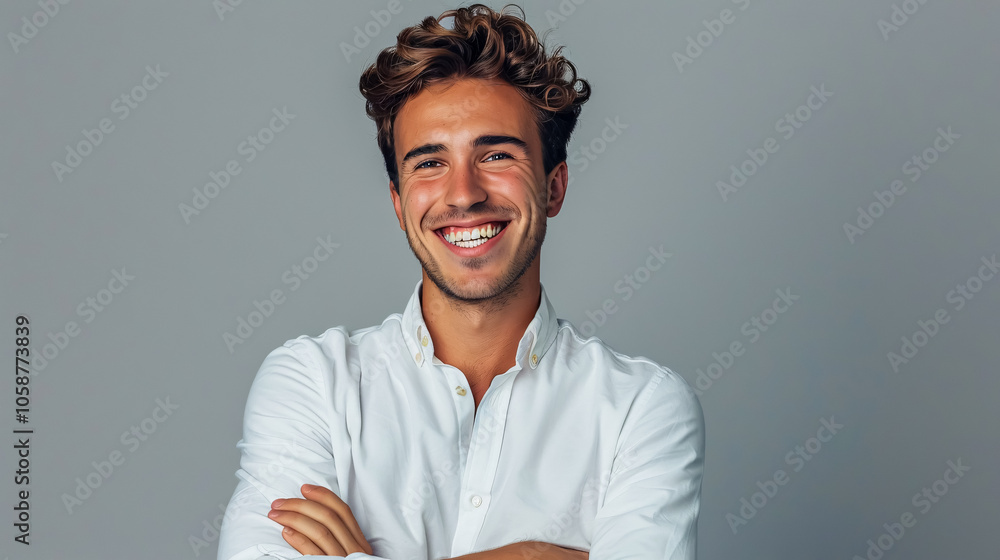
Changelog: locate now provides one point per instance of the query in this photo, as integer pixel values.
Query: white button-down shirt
(576, 445)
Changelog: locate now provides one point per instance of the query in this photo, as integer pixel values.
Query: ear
(397, 205)
(557, 182)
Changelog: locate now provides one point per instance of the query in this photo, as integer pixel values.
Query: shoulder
(311, 376)
(331, 357)
(645, 382)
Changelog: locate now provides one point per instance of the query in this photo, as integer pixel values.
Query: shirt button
(477, 501)
(460, 390)
(424, 340)
(417, 357)
(534, 359)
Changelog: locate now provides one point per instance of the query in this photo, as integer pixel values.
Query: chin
(474, 288)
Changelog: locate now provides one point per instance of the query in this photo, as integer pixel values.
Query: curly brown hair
(482, 44)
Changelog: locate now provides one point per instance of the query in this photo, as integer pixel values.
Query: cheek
(415, 203)
(422, 190)
(515, 187)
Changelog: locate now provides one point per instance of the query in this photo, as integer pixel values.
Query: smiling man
(475, 424)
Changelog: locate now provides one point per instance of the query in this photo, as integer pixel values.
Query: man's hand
(321, 524)
(527, 550)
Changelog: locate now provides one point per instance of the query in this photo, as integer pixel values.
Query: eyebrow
(487, 140)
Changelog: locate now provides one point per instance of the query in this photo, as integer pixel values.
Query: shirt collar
(538, 337)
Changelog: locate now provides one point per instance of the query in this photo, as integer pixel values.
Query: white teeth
(473, 238)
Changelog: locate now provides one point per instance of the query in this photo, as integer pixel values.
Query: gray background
(655, 184)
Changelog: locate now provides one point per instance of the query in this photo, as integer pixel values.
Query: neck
(481, 338)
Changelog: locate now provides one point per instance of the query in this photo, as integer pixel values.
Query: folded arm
(322, 523)
(286, 443)
(651, 506)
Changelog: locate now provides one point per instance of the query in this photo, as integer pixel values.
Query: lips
(472, 241)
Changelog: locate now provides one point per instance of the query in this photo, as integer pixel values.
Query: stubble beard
(501, 290)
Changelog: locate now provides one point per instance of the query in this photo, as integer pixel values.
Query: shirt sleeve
(286, 443)
(650, 509)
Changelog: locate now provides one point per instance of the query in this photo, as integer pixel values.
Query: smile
(472, 236)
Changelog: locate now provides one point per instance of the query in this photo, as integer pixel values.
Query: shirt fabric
(576, 445)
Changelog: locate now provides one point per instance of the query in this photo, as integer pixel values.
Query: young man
(475, 424)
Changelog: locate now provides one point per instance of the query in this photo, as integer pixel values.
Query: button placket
(423, 349)
(482, 460)
(531, 355)
(452, 378)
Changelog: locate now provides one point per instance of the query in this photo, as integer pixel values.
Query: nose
(464, 187)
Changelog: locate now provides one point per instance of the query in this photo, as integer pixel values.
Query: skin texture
(321, 524)
(476, 308)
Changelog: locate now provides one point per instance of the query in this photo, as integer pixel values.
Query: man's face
(473, 195)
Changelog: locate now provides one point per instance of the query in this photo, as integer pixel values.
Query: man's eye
(424, 163)
(505, 154)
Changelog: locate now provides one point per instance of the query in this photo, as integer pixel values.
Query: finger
(300, 542)
(329, 499)
(320, 523)
(321, 536)
(295, 538)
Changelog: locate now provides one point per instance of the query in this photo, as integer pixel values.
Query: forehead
(463, 108)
